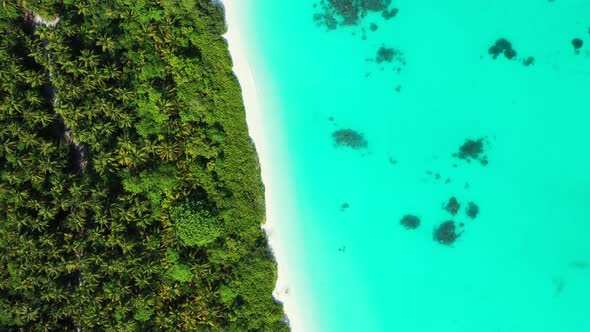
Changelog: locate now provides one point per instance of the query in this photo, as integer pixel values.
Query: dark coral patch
(349, 138)
(389, 55)
(484, 161)
(528, 61)
(335, 13)
(410, 221)
(385, 54)
(472, 210)
(502, 46)
(453, 206)
(577, 43)
(447, 233)
(373, 5)
(326, 20)
(509, 54)
(387, 14)
(472, 149)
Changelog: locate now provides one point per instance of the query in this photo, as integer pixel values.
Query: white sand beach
(280, 234)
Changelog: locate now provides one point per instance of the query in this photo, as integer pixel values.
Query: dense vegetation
(130, 193)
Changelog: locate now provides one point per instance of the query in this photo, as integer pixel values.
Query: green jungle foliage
(130, 191)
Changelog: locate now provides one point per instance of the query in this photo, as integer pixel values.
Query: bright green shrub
(143, 315)
(180, 272)
(195, 226)
(154, 184)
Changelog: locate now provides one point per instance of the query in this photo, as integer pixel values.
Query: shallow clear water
(523, 264)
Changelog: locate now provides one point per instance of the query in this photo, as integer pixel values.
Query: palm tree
(88, 59)
(103, 162)
(35, 79)
(167, 151)
(107, 43)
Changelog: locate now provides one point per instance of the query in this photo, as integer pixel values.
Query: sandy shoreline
(278, 234)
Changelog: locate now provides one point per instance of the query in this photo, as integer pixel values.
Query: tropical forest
(130, 190)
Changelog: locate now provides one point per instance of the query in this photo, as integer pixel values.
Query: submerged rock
(410, 221)
(447, 233)
(349, 138)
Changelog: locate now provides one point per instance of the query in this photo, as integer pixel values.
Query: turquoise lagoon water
(523, 264)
